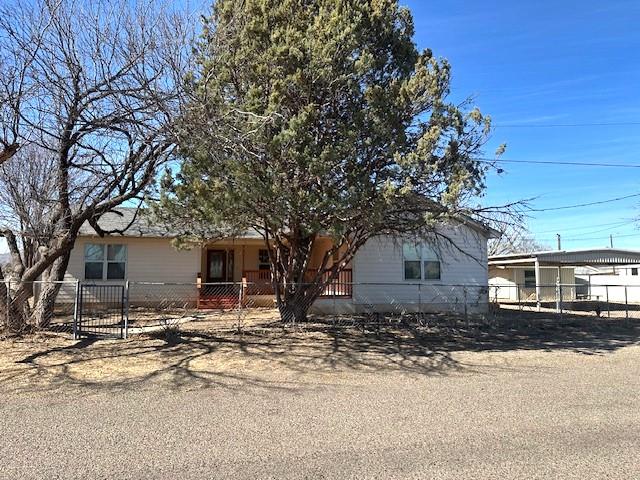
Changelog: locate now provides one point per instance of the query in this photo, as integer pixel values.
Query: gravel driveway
(545, 412)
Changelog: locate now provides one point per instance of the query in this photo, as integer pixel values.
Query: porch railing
(261, 282)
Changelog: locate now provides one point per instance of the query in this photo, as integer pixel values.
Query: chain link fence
(120, 309)
(611, 301)
(38, 306)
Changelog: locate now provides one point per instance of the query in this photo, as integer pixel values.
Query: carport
(563, 258)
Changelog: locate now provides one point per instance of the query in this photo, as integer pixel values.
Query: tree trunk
(296, 285)
(43, 311)
(14, 307)
(7, 152)
(295, 301)
(293, 309)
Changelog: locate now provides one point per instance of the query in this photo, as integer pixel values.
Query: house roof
(597, 256)
(133, 222)
(130, 222)
(486, 229)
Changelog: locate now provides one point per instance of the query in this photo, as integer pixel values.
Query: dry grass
(586, 308)
(211, 351)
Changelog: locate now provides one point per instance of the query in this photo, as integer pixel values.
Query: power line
(562, 125)
(612, 224)
(579, 205)
(559, 162)
(603, 238)
(577, 239)
(599, 231)
(604, 230)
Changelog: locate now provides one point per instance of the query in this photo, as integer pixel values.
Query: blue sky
(544, 63)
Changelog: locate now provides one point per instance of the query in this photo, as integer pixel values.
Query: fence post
(518, 297)
(126, 309)
(75, 310)
(8, 301)
(560, 301)
(240, 299)
(606, 289)
(626, 304)
(466, 312)
(558, 295)
(80, 307)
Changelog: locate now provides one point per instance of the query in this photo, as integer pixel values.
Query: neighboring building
(386, 274)
(534, 276)
(616, 284)
(517, 283)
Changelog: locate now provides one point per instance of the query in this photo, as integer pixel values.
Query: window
(634, 271)
(431, 264)
(263, 259)
(116, 262)
(93, 261)
(529, 278)
(420, 262)
(109, 266)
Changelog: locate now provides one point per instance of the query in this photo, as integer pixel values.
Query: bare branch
(90, 93)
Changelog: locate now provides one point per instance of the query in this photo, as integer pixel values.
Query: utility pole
(559, 243)
(611, 241)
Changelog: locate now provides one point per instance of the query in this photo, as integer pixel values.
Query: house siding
(148, 260)
(378, 271)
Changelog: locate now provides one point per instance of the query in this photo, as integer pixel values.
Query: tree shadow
(531, 330)
(270, 357)
(82, 343)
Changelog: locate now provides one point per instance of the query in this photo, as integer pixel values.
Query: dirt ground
(524, 395)
(212, 350)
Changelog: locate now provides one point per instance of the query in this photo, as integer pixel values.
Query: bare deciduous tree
(27, 190)
(514, 236)
(90, 93)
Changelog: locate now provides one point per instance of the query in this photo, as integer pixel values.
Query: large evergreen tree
(320, 117)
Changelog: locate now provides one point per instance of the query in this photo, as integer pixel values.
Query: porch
(238, 272)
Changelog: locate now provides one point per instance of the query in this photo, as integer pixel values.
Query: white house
(386, 274)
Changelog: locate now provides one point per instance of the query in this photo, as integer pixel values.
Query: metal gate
(101, 311)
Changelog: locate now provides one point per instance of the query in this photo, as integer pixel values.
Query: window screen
(421, 262)
(431, 263)
(116, 262)
(98, 266)
(93, 261)
(412, 259)
(530, 278)
(263, 259)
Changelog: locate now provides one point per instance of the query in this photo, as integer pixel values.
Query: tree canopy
(320, 117)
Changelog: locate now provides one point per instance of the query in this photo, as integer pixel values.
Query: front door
(216, 266)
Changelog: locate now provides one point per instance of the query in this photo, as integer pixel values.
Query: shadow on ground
(271, 357)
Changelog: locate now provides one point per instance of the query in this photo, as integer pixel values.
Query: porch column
(537, 265)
